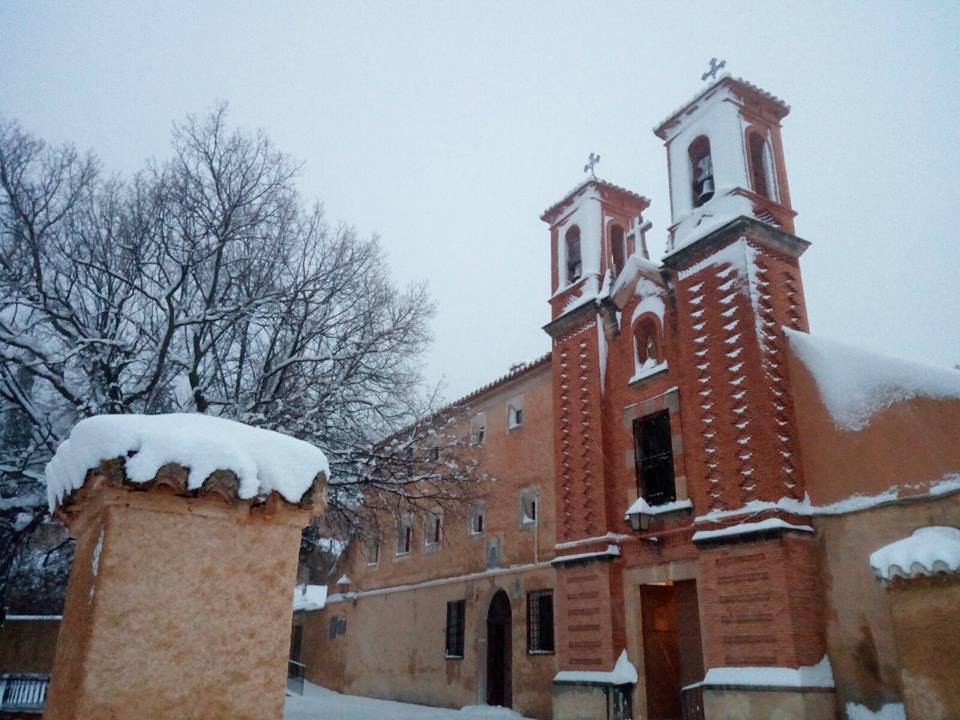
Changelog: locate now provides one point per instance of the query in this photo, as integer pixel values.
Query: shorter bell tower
(725, 160)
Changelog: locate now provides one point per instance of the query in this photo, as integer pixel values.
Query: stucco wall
(907, 445)
(394, 645)
(513, 461)
(183, 611)
(926, 617)
(860, 633)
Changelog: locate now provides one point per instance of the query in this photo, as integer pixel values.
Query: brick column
(179, 602)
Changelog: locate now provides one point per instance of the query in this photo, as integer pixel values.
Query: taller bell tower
(733, 262)
(725, 160)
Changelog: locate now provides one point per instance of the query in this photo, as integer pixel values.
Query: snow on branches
(202, 284)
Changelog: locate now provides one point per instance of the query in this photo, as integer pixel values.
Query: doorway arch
(500, 651)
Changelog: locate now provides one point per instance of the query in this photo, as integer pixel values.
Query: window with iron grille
(455, 624)
(540, 621)
(653, 447)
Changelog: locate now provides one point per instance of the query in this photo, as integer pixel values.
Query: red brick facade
(724, 571)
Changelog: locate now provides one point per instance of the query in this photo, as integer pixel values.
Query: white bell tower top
(725, 160)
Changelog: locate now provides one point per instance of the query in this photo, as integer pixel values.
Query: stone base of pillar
(591, 701)
(761, 703)
(178, 606)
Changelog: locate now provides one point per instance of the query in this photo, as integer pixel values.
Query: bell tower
(733, 262)
(725, 160)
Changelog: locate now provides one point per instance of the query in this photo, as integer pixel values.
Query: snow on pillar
(179, 601)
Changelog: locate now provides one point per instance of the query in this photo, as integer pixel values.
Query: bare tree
(203, 284)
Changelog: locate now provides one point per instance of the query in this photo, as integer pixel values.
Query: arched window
(759, 165)
(619, 247)
(646, 343)
(574, 267)
(701, 170)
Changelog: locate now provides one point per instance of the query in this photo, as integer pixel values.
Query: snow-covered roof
(854, 384)
(810, 676)
(623, 673)
(749, 528)
(263, 461)
(548, 214)
(642, 507)
(636, 265)
(725, 79)
(929, 551)
(611, 551)
(309, 597)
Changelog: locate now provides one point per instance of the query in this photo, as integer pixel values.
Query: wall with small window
(433, 529)
(404, 535)
(515, 412)
(529, 507)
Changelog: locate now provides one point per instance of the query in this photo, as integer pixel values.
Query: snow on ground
(891, 711)
(854, 384)
(318, 703)
(262, 460)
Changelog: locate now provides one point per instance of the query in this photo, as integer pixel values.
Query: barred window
(455, 624)
(540, 621)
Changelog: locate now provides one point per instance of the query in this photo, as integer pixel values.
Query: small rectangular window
(529, 507)
(540, 621)
(476, 519)
(372, 547)
(515, 413)
(332, 630)
(478, 429)
(653, 449)
(404, 535)
(434, 529)
(456, 611)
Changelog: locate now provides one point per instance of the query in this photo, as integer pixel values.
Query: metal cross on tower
(591, 164)
(714, 69)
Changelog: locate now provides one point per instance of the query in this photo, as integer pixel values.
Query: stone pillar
(926, 623)
(179, 602)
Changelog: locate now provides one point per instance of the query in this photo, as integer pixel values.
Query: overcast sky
(447, 128)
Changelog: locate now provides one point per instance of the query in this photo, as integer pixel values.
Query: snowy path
(318, 703)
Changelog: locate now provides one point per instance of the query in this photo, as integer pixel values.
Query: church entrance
(499, 651)
(672, 649)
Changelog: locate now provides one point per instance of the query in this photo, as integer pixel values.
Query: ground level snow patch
(318, 703)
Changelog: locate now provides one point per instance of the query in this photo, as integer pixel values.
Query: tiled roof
(729, 79)
(602, 183)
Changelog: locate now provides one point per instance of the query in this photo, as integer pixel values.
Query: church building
(697, 509)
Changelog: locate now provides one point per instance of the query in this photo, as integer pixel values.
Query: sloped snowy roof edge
(854, 384)
(262, 460)
(806, 676)
(623, 673)
(545, 215)
(727, 79)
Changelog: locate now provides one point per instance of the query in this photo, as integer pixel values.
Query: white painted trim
(609, 537)
(611, 551)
